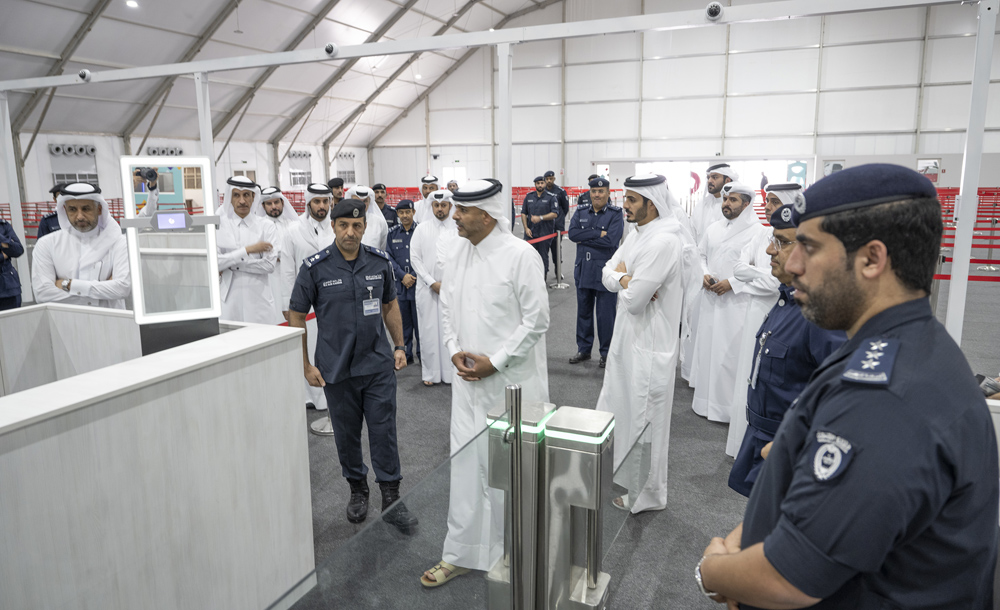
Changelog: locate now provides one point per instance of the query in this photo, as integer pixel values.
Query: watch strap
(697, 577)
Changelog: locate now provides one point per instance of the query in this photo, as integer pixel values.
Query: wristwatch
(697, 577)
(65, 285)
(399, 348)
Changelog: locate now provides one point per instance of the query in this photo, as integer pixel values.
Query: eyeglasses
(779, 243)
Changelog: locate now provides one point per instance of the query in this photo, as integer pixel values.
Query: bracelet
(697, 577)
(399, 348)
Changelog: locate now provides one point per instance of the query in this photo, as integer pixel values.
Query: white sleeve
(754, 278)
(533, 298)
(652, 267)
(421, 268)
(43, 274)
(611, 278)
(119, 282)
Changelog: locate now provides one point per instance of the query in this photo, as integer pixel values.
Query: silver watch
(697, 577)
(65, 285)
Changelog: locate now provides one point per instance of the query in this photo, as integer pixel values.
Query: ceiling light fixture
(417, 76)
(131, 4)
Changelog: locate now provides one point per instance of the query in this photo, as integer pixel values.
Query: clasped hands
(626, 279)
(720, 287)
(480, 368)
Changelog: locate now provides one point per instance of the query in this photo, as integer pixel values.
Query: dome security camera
(84, 75)
(713, 11)
(330, 49)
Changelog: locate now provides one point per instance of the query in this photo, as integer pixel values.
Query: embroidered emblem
(831, 457)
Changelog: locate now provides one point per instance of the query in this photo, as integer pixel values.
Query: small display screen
(177, 220)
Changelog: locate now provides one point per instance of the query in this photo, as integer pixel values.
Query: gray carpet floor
(651, 560)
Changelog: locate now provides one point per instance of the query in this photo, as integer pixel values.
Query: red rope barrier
(972, 278)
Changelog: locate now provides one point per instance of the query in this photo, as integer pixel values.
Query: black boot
(399, 517)
(357, 508)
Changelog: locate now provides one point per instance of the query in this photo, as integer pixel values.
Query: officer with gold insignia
(881, 487)
(352, 289)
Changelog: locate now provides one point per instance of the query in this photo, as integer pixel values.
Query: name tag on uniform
(371, 307)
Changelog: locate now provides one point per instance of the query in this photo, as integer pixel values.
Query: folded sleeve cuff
(499, 359)
(802, 563)
(80, 288)
(453, 348)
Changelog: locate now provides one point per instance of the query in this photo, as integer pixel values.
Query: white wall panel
(538, 54)
(581, 155)
(617, 81)
(953, 19)
(682, 118)
(774, 34)
(773, 71)
(470, 126)
(675, 149)
(595, 49)
(607, 121)
(846, 146)
(678, 43)
(530, 160)
(409, 130)
(872, 65)
(772, 147)
(945, 143)
(535, 86)
(475, 159)
(993, 106)
(585, 10)
(770, 115)
(536, 124)
(682, 77)
(950, 60)
(886, 110)
(400, 166)
(946, 107)
(468, 87)
(876, 25)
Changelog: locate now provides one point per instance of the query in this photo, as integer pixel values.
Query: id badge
(371, 307)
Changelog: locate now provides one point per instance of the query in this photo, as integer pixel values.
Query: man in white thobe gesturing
(247, 257)
(428, 238)
(495, 313)
(647, 273)
(722, 304)
(311, 233)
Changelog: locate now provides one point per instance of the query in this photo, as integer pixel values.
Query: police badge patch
(831, 455)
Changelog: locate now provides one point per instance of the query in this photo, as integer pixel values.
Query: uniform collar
(896, 315)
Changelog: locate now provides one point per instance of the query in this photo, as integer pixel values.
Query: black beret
(591, 177)
(242, 182)
(539, 179)
(57, 189)
(406, 204)
(550, 173)
(335, 183)
(597, 183)
(378, 187)
(861, 187)
(782, 218)
(645, 181)
(348, 208)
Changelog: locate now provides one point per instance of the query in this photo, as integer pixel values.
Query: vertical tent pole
(14, 196)
(505, 55)
(205, 130)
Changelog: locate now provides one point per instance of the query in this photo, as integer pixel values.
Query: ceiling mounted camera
(713, 12)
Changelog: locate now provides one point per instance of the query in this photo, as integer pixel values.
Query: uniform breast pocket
(498, 301)
(772, 362)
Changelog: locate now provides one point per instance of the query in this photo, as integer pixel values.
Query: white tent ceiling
(37, 35)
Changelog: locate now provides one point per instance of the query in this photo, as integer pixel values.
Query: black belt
(764, 424)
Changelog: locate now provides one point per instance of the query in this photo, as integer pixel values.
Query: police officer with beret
(352, 290)
(562, 200)
(391, 218)
(538, 215)
(406, 280)
(881, 487)
(597, 231)
(337, 187)
(50, 222)
(584, 198)
(10, 281)
(787, 351)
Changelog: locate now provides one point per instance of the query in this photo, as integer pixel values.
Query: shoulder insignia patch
(315, 258)
(51, 214)
(377, 252)
(831, 455)
(872, 363)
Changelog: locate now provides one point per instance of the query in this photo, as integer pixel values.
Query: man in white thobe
(310, 234)
(376, 228)
(85, 263)
(753, 268)
(275, 207)
(495, 313)
(247, 257)
(435, 361)
(647, 273)
(722, 304)
(422, 209)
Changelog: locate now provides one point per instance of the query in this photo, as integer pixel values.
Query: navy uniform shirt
(584, 199)
(562, 200)
(592, 250)
(390, 215)
(48, 224)
(399, 254)
(539, 206)
(881, 488)
(348, 303)
(787, 351)
(10, 282)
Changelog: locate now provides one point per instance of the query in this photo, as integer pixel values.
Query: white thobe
(96, 262)
(639, 380)
(718, 329)
(244, 283)
(753, 269)
(281, 287)
(705, 213)
(376, 228)
(494, 302)
(435, 361)
(306, 237)
(422, 211)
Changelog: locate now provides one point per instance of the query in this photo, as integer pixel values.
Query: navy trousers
(605, 302)
(408, 310)
(367, 399)
(10, 302)
(542, 248)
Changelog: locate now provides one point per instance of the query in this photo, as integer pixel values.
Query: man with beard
(881, 488)
(388, 212)
(709, 209)
(275, 206)
(422, 209)
(452, 185)
(376, 229)
(336, 186)
(538, 214)
(399, 241)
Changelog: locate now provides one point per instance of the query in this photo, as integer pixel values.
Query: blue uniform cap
(597, 183)
(782, 218)
(405, 204)
(862, 187)
(335, 183)
(378, 187)
(539, 179)
(550, 173)
(348, 208)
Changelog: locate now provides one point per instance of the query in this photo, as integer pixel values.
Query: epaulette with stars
(377, 252)
(872, 362)
(315, 258)
(50, 215)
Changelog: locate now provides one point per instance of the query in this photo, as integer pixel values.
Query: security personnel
(597, 231)
(562, 199)
(50, 222)
(406, 279)
(787, 351)
(584, 198)
(353, 292)
(538, 214)
(881, 487)
(10, 284)
(337, 187)
(391, 218)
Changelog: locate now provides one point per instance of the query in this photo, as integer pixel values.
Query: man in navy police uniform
(352, 290)
(584, 198)
(406, 280)
(881, 487)
(597, 230)
(787, 351)
(10, 282)
(562, 200)
(50, 222)
(388, 212)
(538, 215)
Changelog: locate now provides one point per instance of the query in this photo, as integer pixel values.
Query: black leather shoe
(398, 517)
(357, 508)
(579, 358)
(604, 361)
